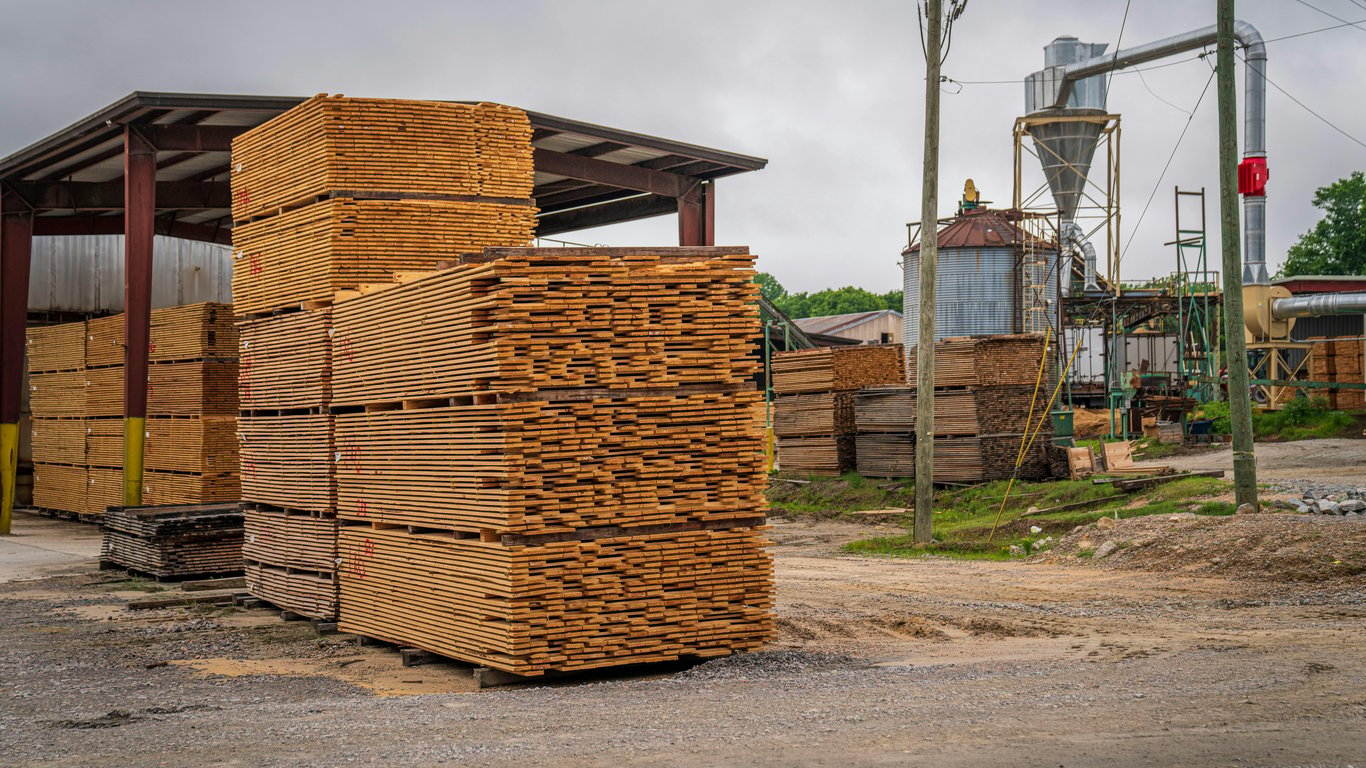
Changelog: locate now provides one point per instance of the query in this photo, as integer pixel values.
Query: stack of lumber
(175, 541)
(190, 437)
(291, 558)
(984, 388)
(339, 192)
(548, 459)
(884, 419)
(814, 418)
(1341, 362)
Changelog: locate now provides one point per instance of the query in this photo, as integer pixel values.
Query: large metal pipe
(1254, 115)
(1319, 304)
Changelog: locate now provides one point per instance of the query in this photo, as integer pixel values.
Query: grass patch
(826, 498)
(1300, 419)
(135, 584)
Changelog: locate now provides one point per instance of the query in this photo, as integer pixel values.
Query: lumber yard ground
(1157, 655)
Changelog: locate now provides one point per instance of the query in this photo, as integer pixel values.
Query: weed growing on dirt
(1300, 419)
(135, 584)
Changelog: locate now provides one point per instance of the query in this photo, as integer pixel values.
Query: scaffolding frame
(1198, 297)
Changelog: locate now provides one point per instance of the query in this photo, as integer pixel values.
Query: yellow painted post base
(9, 473)
(134, 430)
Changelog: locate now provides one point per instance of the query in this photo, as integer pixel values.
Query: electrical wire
(1331, 16)
(1316, 31)
(1302, 105)
(1114, 72)
(1190, 117)
(1122, 23)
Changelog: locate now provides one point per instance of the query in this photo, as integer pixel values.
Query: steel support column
(695, 216)
(139, 219)
(16, 249)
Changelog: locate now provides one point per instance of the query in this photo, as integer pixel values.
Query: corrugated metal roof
(836, 323)
(980, 228)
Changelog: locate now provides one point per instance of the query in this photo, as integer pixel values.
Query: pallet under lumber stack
(190, 441)
(1340, 361)
(549, 461)
(814, 407)
(984, 386)
(328, 197)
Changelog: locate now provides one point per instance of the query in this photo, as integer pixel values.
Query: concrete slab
(39, 547)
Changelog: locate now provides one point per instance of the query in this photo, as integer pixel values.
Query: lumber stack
(291, 558)
(338, 192)
(548, 459)
(814, 418)
(884, 418)
(177, 541)
(1340, 361)
(190, 436)
(984, 389)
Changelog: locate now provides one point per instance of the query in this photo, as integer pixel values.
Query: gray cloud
(830, 92)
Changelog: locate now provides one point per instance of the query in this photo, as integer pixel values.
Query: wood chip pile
(548, 459)
(76, 393)
(1340, 361)
(174, 541)
(814, 407)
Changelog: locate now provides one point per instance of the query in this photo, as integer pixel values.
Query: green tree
(1337, 243)
(771, 288)
(831, 301)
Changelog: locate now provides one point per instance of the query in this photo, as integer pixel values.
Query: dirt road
(880, 662)
(1337, 462)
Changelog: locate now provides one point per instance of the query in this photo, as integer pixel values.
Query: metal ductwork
(1319, 304)
(1071, 80)
(1075, 243)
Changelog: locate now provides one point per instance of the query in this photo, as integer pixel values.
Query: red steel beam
(192, 138)
(109, 195)
(113, 225)
(139, 226)
(695, 214)
(614, 174)
(16, 249)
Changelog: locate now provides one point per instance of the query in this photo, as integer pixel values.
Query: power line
(1316, 31)
(1190, 117)
(1122, 23)
(1329, 15)
(1325, 120)
(1018, 81)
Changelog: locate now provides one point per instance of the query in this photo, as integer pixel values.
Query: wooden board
(817, 414)
(983, 411)
(413, 147)
(197, 388)
(187, 332)
(829, 369)
(195, 444)
(59, 441)
(552, 318)
(562, 606)
(885, 454)
(542, 466)
(988, 457)
(288, 460)
(315, 595)
(828, 455)
(310, 253)
(286, 361)
(174, 541)
(60, 487)
(986, 361)
(58, 395)
(53, 348)
(885, 409)
(290, 539)
(159, 488)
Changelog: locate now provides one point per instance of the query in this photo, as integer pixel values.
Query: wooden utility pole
(929, 268)
(1239, 395)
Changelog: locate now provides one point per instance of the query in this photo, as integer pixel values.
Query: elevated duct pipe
(1318, 305)
(1252, 172)
(1076, 243)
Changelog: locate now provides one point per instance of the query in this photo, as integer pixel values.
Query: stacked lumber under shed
(77, 402)
(176, 541)
(1340, 361)
(814, 407)
(549, 460)
(329, 196)
(983, 391)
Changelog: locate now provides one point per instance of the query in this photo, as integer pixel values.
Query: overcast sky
(830, 92)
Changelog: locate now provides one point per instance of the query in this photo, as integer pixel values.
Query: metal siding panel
(975, 293)
(84, 273)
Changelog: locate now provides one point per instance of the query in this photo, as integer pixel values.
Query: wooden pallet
(310, 253)
(536, 466)
(830, 369)
(288, 459)
(286, 361)
(54, 348)
(410, 147)
(561, 606)
(543, 318)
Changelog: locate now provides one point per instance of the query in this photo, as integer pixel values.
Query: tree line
(831, 301)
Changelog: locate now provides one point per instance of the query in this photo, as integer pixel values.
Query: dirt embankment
(1285, 547)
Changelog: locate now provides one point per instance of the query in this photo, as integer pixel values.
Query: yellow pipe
(134, 430)
(9, 473)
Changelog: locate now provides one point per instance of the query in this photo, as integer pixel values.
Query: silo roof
(981, 228)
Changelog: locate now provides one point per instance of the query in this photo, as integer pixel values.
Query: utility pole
(1239, 396)
(929, 268)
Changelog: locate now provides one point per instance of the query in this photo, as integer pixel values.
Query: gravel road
(1332, 465)
(879, 662)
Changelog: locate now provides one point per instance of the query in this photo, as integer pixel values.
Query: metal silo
(985, 278)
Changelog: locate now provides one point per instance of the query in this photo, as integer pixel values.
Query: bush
(1301, 418)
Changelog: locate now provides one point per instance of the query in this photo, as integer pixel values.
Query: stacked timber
(884, 418)
(177, 541)
(548, 459)
(338, 192)
(190, 432)
(1340, 361)
(814, 419)
(985, 387)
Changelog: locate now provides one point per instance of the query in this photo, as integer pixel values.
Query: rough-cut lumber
(205, 444)
(59, 441)
(188, 332)
(195, 388)
(886, 454)
(824, 455)
(58, 395)
(160, 488)
(174, 541)
(982, 411)
(60, 487)
(290, 539)
(827, 414)
(986, 361)
(55, 348)
(988, 457)
(331, 143)
(885, 409)
(562, 606)
(552, 318)
(288, 460)
(831, 369)
(538, 466)
(286, 361)
(315, 595)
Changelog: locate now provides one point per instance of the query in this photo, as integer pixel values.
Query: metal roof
(980, 228)
(586, 175)
(829, 324)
